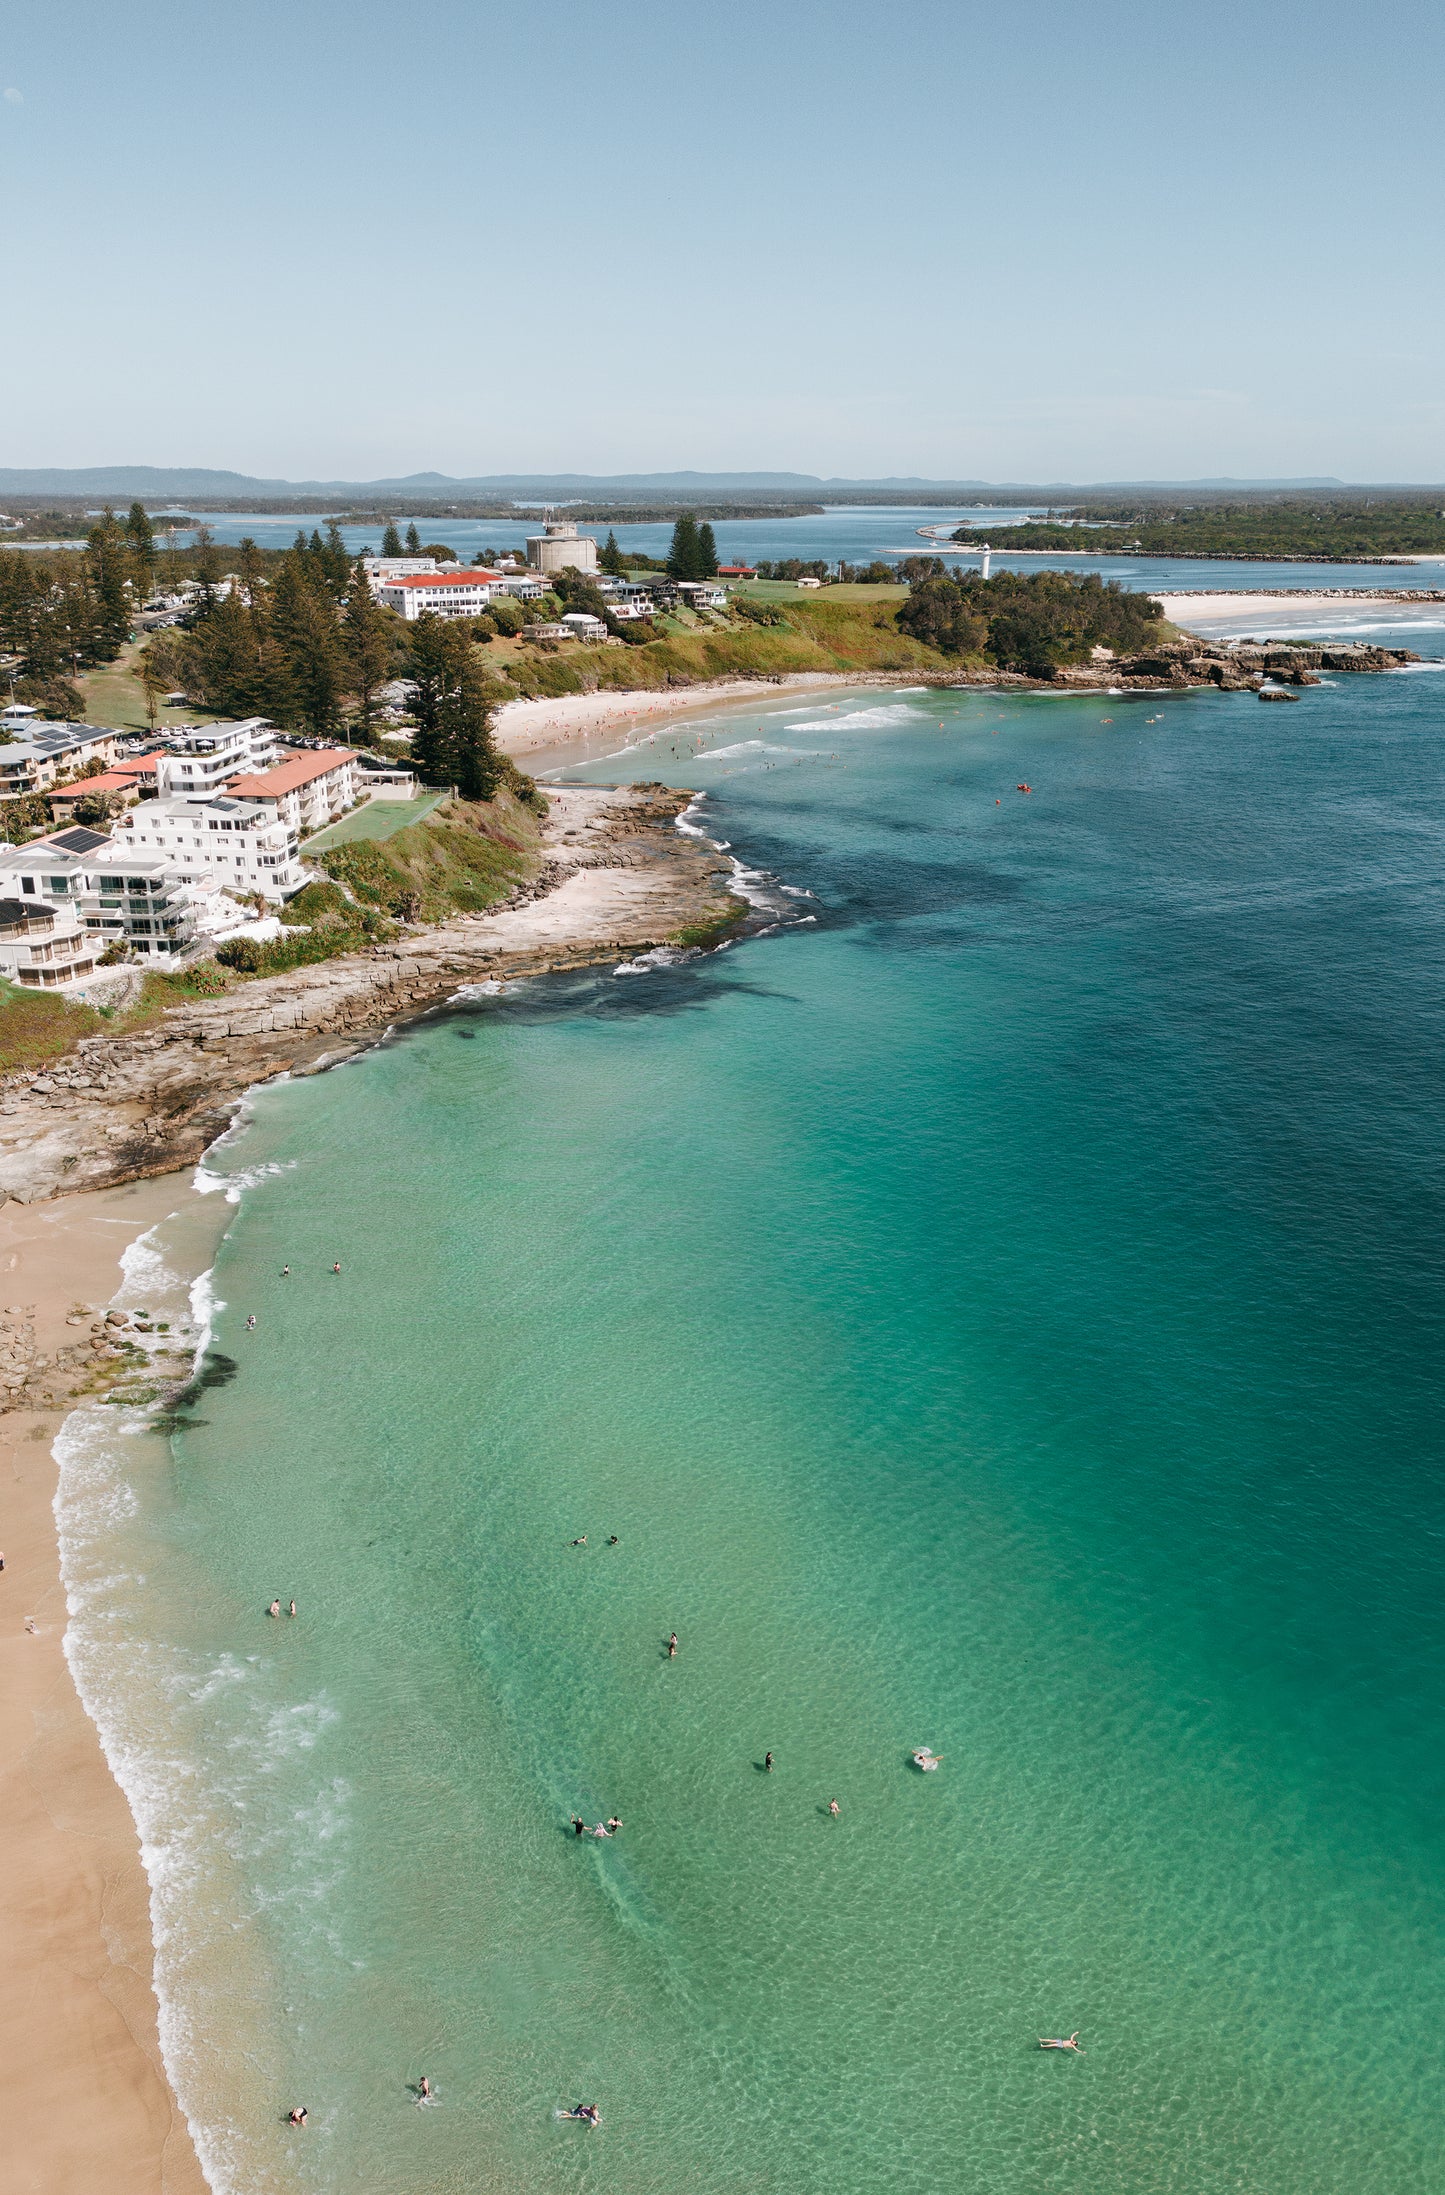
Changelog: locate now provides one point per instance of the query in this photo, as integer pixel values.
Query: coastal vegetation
(1307, 530)
(1034, 623)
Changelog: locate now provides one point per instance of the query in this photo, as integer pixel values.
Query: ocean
(999, 1308)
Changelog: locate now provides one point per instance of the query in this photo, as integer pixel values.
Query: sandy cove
(83, 2093)
(1183, 609)
(524, 727)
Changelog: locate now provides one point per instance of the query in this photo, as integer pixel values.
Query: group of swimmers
(609, 1828)
(275, 1609)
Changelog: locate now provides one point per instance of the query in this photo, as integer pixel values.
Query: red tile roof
(137, 765)
(459, 572)
(110, 781)
(287, 777)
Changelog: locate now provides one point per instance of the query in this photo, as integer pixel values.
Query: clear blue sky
(1040, 242)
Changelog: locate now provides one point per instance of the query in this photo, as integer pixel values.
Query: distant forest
(1304, 531)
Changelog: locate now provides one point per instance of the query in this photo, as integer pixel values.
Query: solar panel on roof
(79, 840)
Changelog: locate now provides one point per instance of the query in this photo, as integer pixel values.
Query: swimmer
(1068, 2042)
(285, 1272)
(601, 1830)
(251, 1323)
(423, 2090)
(296, 2116)
(614, 1823)
(336, 1268)
(613, 1542)
(274, 1609)
(833, 1808)
(292, 1609)
(768, 1762)
(582, 1542)
(672, 1647)
(579, 1827)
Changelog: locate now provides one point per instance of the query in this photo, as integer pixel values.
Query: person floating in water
(274, 1609)
(582, 1542)
(296, 2116)
(587, 2113)
(768, 1762)
(672, 1647)
(1067, 2042)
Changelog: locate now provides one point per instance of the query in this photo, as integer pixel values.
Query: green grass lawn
(113, 695)
(378, 819)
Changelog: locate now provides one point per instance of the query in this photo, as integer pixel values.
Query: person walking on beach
(672, 1647)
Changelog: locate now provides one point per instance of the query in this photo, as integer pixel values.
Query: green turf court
(378, 819)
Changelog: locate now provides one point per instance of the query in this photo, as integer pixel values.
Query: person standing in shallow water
(672, 1647)
(768, 1762)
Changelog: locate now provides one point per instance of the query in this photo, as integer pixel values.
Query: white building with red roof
(305, 792)
(464, 591)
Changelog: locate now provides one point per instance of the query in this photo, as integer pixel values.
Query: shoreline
(85, 2093)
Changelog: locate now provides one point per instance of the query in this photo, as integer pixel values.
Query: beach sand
(84, 2098)
(523, 727)
(1283, 603)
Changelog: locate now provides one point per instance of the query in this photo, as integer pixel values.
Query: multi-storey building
(241, 846)
(202, 757)
(47, 752)
(460, 592)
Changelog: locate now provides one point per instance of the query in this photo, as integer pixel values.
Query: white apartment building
(582, 625)
(202, 757)
(704, 594)
(306, 791)
(51, 751)
(380, 570)
(461, 592)
(239, 845)
(43, 945)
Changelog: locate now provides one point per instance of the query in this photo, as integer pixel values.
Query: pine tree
(307, 634)
(391, 540)
(111, 614)
(366, 630)
(338, 560)
(706, 552)
(682, 554)
(611, 559)
(453, 742)
(413, 540)
(142, 547)
(208, 571)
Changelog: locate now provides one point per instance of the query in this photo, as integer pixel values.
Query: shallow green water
(1003, 1313)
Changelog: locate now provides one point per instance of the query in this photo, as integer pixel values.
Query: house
(737, 571)
(18, 712)
(305, 792)
(113, 785)
(464, 591)
(523, 587)
(142, 770)
(243, 846)
(201, 758)
(559, 547)
(49, 753)
(43, 946)
(808, 580)
(582, 625)
(703, 594)
(546, 630)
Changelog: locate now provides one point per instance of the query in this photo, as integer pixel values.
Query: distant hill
(195, 484)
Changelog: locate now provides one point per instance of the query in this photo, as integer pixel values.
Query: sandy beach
(83, 2093)
(1190, 609)
(524, 727)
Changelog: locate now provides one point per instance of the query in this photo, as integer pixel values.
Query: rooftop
(473, 573)
(287, 777)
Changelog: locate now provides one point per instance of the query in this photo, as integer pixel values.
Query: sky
(1049, 242)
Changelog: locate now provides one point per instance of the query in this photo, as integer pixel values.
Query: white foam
(861, 720)
(207, 1184)
(661, 956)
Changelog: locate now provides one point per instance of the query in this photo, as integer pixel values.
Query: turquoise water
(1002, 1312)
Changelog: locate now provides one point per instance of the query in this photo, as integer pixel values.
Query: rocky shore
(618, 879)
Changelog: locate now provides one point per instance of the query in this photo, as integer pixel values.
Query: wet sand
(84, 2098)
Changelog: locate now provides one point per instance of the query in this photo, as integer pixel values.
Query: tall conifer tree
(366, 629)
(391, 540)
(706, 552)
(413, 540)
(682, 554)
(453, 742)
